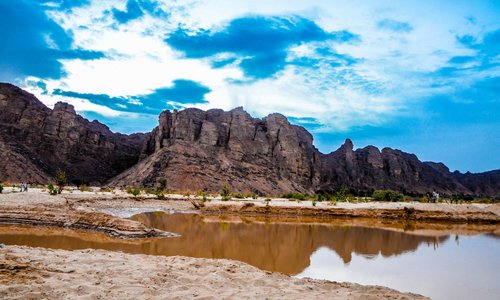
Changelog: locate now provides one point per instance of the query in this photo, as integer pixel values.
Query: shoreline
(58, 274)
(109, 213)
(402, 211)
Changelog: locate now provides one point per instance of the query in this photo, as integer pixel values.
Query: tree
(163, 184)
(60, 180)
(225, 193)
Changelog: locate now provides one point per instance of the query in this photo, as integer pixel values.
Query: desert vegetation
(225, 193)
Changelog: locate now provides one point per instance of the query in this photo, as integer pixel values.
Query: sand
(34, 273)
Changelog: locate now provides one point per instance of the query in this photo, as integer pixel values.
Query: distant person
(435, 196)
(21, 187)
(26, 187)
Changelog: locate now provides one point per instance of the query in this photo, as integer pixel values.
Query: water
(439, 266)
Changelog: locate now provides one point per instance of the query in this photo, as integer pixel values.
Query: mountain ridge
(202, 150)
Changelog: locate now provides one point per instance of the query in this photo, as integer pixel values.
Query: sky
(419, 76)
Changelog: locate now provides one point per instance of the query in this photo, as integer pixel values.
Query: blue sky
(420, 76)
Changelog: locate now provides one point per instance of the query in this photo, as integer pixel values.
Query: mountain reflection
(282, 247)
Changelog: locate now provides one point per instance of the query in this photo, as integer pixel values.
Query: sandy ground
(34, 273)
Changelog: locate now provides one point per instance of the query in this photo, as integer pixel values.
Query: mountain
(203, 150)
(197, 150)
(37, 141)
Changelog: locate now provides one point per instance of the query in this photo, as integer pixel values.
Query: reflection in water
(282, 247)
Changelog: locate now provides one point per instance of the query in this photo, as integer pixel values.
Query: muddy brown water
(441, 266)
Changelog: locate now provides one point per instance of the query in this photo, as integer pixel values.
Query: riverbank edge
(29, 273)
(92, 221)
(406, 213)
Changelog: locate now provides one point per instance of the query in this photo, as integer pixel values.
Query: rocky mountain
(203, 150)
(37, 141)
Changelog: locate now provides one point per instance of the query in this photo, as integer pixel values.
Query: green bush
(239, 196)
(424, 199)
(52, 190)
(387, 195)
(163, 183)
(134, 191)
(225, 193)
(159, 194)
(60, 180)
(84, 188)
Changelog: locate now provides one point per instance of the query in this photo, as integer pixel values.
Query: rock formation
(199, 150)
(203, 150)
(37, 141)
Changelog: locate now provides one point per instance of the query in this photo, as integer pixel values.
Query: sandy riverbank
(38, 272)
(403, 211)
(107, 212)
(34, 273)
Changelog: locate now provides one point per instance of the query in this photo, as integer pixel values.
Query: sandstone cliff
(36, 141)
(197, 150)
(203, 150)
(200, 150)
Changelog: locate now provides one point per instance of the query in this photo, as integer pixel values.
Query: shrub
(84, 188)
(134, 191)
(60, 180)
(387, 195)
(1, 188)
(52, 190)
(106, 189)
(163, 183)
(239, 196)
(267, 200)
(225, 193)
(342, 195)
(424, 199)
(314, 202)
(159, 194)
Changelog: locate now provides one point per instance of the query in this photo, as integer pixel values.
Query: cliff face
(203, 150)
(369, 168)
(200, 150)
(36, 141)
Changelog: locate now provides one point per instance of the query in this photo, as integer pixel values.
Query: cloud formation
(393, 25)
(258, 43)
(33, 43)
(180, 94)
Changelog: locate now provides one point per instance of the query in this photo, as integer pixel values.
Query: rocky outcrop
(203, 150)
(198, 150)
(37, 141)
(369, 168)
